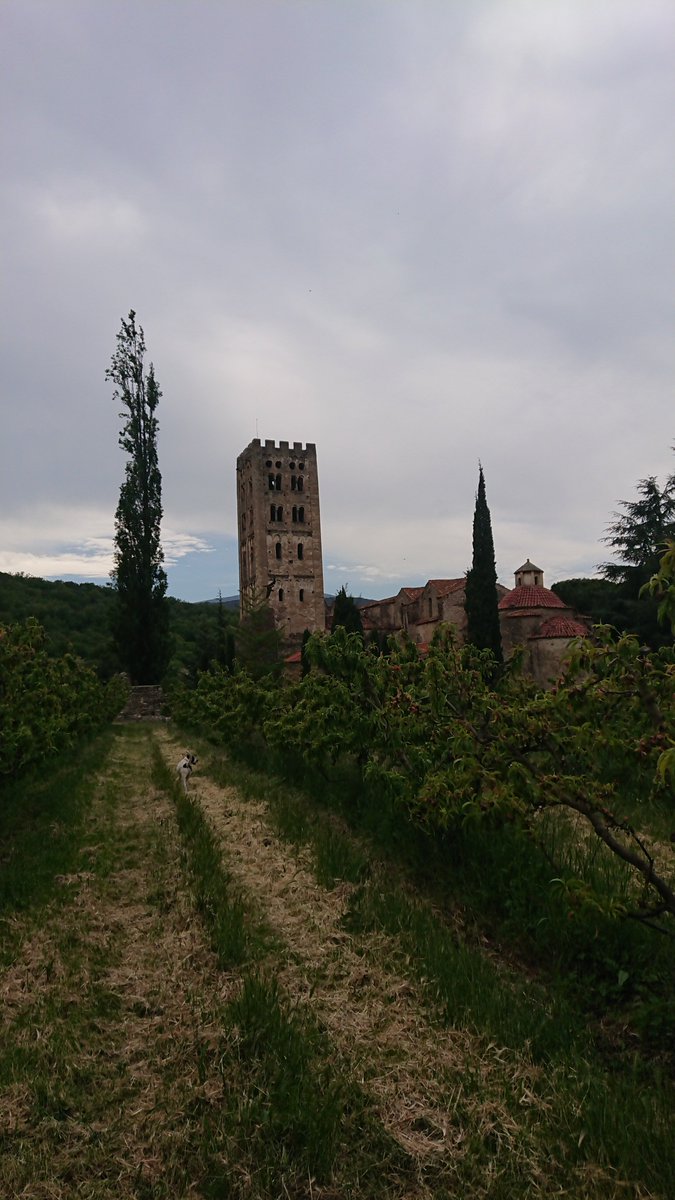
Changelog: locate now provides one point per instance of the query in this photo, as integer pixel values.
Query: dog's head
(190, 759)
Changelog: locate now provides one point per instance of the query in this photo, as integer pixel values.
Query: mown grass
(297, 1120)
(501, 888)
(601, 1101)
(523, 898)
(250, 1099)
(236, 934)
(56, 1000)
(292, 1115)
(42, 830)
(598, 1107)
(118, 1080)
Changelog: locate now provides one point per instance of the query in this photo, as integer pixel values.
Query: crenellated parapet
(282, 447)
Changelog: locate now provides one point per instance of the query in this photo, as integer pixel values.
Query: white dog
(184, 768)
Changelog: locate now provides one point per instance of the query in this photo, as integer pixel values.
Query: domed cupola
(534, 618)
(529, 591)
(529, 576)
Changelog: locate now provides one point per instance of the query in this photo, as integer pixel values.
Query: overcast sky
(418, 233)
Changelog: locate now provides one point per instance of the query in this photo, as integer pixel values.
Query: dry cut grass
(110, 1011)
(474, 1117)
(136, 1063)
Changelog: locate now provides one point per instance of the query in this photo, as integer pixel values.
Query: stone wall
(279, 523)
(144, 704)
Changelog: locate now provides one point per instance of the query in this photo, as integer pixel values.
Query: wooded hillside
(77, 617)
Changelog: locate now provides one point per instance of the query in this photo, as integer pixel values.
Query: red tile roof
(376, 603)
(561, 627)
(531, 597)
(443, 587)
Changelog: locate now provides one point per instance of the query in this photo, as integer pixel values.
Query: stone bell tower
(280, 535)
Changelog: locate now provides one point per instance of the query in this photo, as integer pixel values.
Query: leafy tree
(76, 617)
(377, 641)
(481, 581)
(215, 639)
(305, 665)
(225, 649)
(604, 602)
(639, 536)
(258, 641)
(47, 704)
(662, 585)
(448, 744)
(346, 613)
(141, 624)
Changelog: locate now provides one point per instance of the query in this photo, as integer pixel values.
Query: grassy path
(106, 1010)
(192, 1015)
(429, 1084)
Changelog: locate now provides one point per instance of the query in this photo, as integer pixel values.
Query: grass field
(234, 994)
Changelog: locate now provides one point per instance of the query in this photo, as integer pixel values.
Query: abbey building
(530, 616)
(280, 566)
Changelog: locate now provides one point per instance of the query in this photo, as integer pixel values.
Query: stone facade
(418, 611)
(279, 524)
(530, 616)
(280, 564)
(535, 618)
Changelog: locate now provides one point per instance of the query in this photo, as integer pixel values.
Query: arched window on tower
(301, 595)
(281, 595)
(277, 482)
(277, 550)
(280, 513)
(301, 551)
(301, 515)
(301, 483)
(295, 512)
(270, 482)
(294, 483)
(273, 512)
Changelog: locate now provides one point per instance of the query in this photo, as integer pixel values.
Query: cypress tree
(346, 613)
(141, 622)
(481, 581)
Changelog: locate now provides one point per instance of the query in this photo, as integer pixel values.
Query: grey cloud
(417, 235)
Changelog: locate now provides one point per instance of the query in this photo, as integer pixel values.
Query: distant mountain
(233, 601)
(226, 601)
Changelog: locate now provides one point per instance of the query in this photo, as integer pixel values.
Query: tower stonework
(280, 535)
